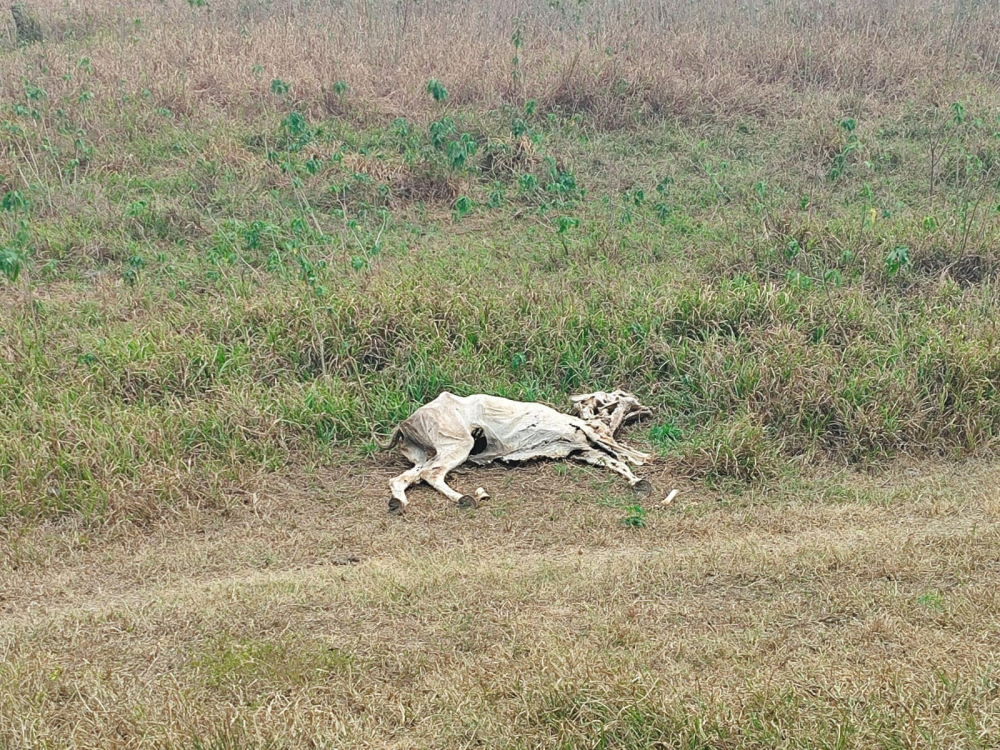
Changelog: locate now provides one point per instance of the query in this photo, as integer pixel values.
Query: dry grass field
(237, 237)
(855, 613)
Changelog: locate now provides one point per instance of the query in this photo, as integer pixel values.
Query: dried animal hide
(452, 430)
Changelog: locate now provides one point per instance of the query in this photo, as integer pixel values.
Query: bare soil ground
(842, 611)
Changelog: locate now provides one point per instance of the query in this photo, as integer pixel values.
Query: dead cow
(451, 430)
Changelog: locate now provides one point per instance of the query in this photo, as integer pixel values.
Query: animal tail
(393, 439)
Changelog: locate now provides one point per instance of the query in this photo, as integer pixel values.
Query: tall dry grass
(615, 60)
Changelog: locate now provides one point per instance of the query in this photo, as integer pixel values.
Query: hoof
(395, 507)
(642, 487)
(467, 501)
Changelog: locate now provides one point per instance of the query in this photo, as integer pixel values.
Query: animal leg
(436, 471)
(398, 486)
(599, 458)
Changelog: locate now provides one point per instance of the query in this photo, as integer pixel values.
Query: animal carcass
(480, 429)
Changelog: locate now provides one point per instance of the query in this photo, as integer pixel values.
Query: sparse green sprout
(561, 183)
(664, 436)
(930, 223)
(295, 124)
(34, 92)
(11, 260)
(497, 195)
(198, 3)
(635, 517)
(565, 223)
(13, 200)
(833, 277)
(897, 258)
(279, 87)
(932, 600)
(437, 90)
(401, 128)
(958, 113)
(795, 278)
(340, 88)
(636, 196)
(440, 130)
(462, 206)
(461, 150)
(131, 274)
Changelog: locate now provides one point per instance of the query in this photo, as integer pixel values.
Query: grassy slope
(230, 270)
(213, 287)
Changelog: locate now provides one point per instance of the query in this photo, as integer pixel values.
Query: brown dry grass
(615, 61)
(843, 612)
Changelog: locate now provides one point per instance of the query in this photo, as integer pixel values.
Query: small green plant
(461, 150)
(131, 274)
(843, 157)
(516, 76)
(497, 195)
(11, 260)
(440, 130)
(279, 87)
(898, 258)
(665, 435)
(14, 255)
(437, 90)
(295, 132)
(13, 200)
(635, 517)
(462, 206)
(932, 601)
(565, 223)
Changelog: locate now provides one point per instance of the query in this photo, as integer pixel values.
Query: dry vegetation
(847, 614)
(236, 237)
